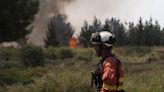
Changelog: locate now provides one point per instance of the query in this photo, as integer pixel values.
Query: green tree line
(143, 33)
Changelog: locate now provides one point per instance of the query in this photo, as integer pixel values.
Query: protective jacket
(112, 75)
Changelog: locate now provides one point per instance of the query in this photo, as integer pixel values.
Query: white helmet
(103, 37)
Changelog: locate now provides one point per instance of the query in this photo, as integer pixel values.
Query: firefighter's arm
(108, 76)
(106, 71)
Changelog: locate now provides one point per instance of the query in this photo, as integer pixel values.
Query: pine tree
(96, 25)
(118, 29)
(132, 38)
(162, 37)
(156, 33)
(85, 34)
(107, 25)
(140, 32)
(121, 36)
(51, 39)
(59, 32)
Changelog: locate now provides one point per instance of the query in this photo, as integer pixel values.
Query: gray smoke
(48, 9)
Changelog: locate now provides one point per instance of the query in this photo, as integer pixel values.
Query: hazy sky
(125, 10)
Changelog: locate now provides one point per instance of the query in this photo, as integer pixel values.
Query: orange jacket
(109, 75)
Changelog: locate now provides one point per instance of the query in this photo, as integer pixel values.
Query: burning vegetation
(72, 43)
(59, 32)
(51, 11)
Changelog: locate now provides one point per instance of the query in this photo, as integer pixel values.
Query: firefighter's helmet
(103, 37)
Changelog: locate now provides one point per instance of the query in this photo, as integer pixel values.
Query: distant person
(109, 69)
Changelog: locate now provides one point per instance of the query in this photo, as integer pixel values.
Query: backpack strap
(117, 71)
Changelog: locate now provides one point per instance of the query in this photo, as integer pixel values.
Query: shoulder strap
(117, 71)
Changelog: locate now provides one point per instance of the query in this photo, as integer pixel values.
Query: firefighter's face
(98, 50)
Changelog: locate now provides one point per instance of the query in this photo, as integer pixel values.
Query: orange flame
(72, 43)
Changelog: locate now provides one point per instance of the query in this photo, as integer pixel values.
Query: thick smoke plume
(48, 9)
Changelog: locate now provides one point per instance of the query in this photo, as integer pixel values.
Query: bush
(66, 53)
(154, 57)
(7, 54)
(85, 54)
(59, 81)
(10, 64)
(11, 76)
(32, 56)
(22, 76)
(137, 50)
(51, 53)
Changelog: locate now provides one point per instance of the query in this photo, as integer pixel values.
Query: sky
(125, 10)
(78, 11)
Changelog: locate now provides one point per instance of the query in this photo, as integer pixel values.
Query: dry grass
(73, 74)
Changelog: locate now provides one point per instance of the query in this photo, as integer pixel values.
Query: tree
(131, 34)
(114, 26)
(114, 23)
(121, 36)
(87, 30)
(107, 25)
(162, 37)
(96, 25)
(51, 39)
(146, 33)
(59, 32)
(156, 32)
(150, 34)
(140, 32)
(85, 34)
(15, 16)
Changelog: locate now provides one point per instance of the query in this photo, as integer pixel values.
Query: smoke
(47, 9)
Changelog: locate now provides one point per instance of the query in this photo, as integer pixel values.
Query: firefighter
(110, 71)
